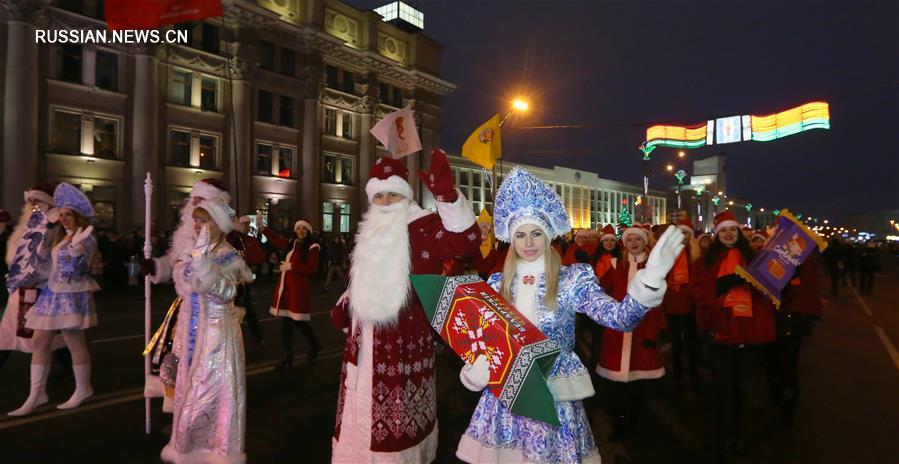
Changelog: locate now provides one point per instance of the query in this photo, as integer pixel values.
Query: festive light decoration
(748, 206)
(680, 176)
(776, 212)
(760, 128)
(716, 199)
(625, 217)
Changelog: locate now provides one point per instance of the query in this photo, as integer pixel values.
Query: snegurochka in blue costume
(529, 215)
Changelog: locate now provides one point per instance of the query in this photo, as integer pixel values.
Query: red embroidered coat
(718, 323)
(635, 355)
(403, 385)
(291, 298)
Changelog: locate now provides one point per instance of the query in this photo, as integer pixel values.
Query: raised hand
(439, 179)
(202, 243)
(81, 234)
(661, 258)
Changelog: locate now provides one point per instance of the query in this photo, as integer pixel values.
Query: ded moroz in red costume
(387, 407)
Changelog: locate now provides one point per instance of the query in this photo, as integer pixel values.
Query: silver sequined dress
(210, 397)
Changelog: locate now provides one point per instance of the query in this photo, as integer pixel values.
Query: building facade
(275, 98)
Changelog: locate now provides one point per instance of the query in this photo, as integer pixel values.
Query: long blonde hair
(553, 263)
(60, 232)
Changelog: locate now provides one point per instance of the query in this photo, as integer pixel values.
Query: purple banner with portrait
(789, 246)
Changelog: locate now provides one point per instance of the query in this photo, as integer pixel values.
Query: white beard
(17, 233)
(184, 238)
(381, 262)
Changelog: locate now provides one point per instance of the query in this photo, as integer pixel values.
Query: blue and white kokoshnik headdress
(69, 196)
(525, 199)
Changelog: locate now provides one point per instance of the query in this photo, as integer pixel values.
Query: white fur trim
(643, 294)
(618, 376)
(207, 191)
(522, 220)
(605, 236)
(39, 195)
(456, 216)
(727, 223)
(635, 230)
(394, 184)
(571, 388)
(221, 213)
(303, 223)
(286, 313)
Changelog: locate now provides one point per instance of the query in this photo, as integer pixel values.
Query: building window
(335, 212)
(209, 42)
(397, 97)
(337, 169)
(207, 152)
(179, 148)
(66, 132)
(344, 217)
(266, 55)
(107, 71)
(347, 125)
(330, 121)
(180, 87)
(285, 111)
(331, 76)
(69, 63)
(105, 137)
(349, 84)
(265, 107)
(285, 162)
(327, 213)
(263, 159)
(288, 63)
(209, 94)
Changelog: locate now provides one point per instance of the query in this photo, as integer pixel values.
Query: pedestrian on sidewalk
(67, 302)
(209, 424)
(680, 309)
(734, 320)
(291, 300)
(868, 265)
(800, 308)
(251, 252)
(336, 260)
(629, 359)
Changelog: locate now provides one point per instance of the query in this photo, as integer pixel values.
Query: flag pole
(148, 248)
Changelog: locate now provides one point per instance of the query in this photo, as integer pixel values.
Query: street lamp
(681, 154)
(520, 105)
(826, 221)
(669, 168)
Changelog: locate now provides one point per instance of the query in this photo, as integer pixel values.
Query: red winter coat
(639, 348)
(678, 299)
(717, 322)
(291, 298)
(248, 247)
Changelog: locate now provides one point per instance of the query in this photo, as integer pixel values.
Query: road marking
(860, 300)
(132, 394)
(891, 350)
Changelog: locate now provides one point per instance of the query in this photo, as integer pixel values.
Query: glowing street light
(520, 105)
(720, 193)
(826, 221)
(669, 168)
(681, 154)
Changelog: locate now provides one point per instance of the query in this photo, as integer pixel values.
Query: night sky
(616, 67)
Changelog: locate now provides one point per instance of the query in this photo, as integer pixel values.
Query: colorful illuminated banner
(730, 129)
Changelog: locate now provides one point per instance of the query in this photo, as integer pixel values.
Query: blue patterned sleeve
(580, 290)
(495, 280)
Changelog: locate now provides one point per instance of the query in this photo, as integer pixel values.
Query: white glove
(475, 376)
(286, 266)
(661, 258)
(202, 243)
(80, 235)
(343, 298)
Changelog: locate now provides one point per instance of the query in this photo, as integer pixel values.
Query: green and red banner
(476, 320)
(775, 264)
(151, 14)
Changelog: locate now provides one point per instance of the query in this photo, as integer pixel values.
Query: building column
(310, 185)
(20, 107)
(366, 107)
(240, 178)
(144, 121)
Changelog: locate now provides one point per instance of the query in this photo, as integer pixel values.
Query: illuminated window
(347, 125)
(209, 94)
(105, 137)
(285, 162)
(330, 125)
(263, 159)
(337, 169)
(180, 87)
(208, 152)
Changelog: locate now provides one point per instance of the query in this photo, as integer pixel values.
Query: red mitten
(340, 316)
(439, 179)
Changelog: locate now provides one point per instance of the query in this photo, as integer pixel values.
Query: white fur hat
(220, 212)
(302, 223)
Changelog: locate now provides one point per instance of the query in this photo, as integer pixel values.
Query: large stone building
(276, 98)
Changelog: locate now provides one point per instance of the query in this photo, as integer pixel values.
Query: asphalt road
(849, 410)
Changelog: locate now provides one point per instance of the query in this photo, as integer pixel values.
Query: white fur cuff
(457, 216)
(645, 295)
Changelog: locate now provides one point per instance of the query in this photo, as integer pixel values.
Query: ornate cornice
(241, 69)
(366, 105)
(339, 99)
(239, 13)
(190, 58)
(28, 11)
(313, 89)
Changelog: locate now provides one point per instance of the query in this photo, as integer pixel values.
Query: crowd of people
(610, 298)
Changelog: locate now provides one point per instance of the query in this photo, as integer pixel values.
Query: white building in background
(590, 200)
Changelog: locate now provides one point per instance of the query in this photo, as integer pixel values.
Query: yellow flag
(484, 146)
(485, 223)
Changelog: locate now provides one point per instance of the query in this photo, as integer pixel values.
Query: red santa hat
(608, 232)
(304, 224)
(639, 229)
(388, 175)
(725, 219)
(210, 189)
(40, 192)
(685, 224)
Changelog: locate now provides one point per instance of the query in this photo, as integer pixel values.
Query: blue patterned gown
(497, 435)
(67, 303)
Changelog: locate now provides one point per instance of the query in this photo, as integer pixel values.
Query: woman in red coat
(291, 299)
(629, 359)
(679, 308)
(800, 308)
(733, 319)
